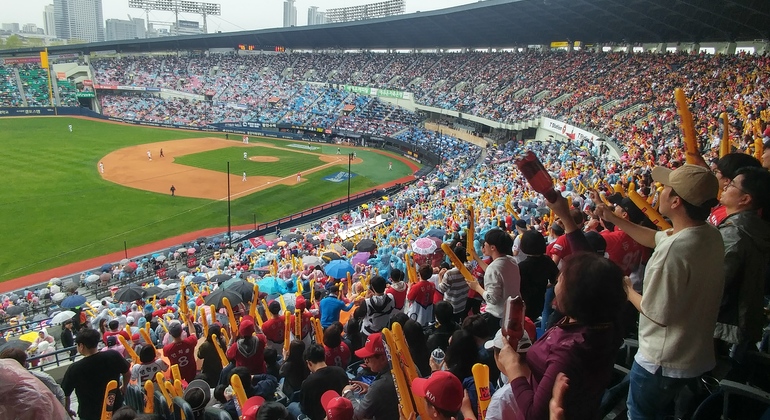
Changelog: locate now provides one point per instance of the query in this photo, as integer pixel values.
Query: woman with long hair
(207, 352)
(294, 370)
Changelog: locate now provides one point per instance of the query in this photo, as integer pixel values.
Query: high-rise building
(366, 11)
(79, 20)
(10, 27)
(314, 17)
(118, 29)
(49, 21)
(289, 14)
(29, 28)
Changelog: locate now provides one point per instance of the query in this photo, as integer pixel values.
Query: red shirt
(560, 247)
(398, 297)
(273, 329)
(121, 332)
(623, 250)
(255, 362)
(339, 356)
(306, 326)
(718, 215)
(163, 310)
(183, 354)
(421, 293)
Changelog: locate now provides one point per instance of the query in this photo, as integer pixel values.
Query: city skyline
(237, 15)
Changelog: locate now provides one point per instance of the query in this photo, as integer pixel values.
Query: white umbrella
(160, 258)
(58, 297)
(181, 250)
(62, 316)
(92, 278)
(424, 246)
(55, 289)
(124, 261)
(55, 280)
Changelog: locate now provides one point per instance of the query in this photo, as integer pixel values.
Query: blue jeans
(649, 395)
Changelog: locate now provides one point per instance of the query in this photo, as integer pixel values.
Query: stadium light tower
(177, 6)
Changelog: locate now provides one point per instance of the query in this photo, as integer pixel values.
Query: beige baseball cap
(695, 184)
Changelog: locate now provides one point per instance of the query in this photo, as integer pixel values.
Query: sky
(237, 15)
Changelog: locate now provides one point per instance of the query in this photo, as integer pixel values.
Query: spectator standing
(248, 349)
(379, 306)
(24, 396)
(68, 339)
(397, 288)
(454, 287)
(181, 351)
(682, 286)
(331, 306)
(420, 297)
(89, 376)
(50, 383)
(274, 327)
(538, 273)
(207, 352)
(747, 245)
(501, 276)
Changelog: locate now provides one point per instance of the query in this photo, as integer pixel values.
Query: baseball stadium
(510, 209)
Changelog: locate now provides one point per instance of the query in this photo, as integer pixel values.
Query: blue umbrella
(73, 301)
(436, 233)
(199, 279)
(339, 269)
(106, 267)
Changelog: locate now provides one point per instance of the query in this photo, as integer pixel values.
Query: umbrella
(39, 317)
(160, 258)
(29, 337)
(281, 243)
(73, 301)
(221, 278)
(311, 260)
(168, 293)
(201, 239)
(105, 277)
(152, 290)
(62, 316)
(55, 280)
(172, 273)
(106, 267)
(291, 237)
(360, 258)
(436, 233)
(242, 287)
(215, 298)
(92, 278)
(14, 310)
(346, 244)
(331, 256)
(424, 246)
(366, 245)
(339, 269)
(58, 297)
(124, 261)
(199, 279)
(190, 251)
(182, 250)
(15, 344)
(129, 293)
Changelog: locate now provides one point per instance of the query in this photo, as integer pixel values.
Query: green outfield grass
(290, 162)
(55, 209)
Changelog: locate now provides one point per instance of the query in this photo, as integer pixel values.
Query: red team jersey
(306, 326)
(718, 214)
(183, 354)
(422, 293)
(273, 329)
(339, 356)
(624, 251)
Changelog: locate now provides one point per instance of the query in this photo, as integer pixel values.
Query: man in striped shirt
(454, 287)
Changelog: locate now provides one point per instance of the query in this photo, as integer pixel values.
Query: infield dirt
(131, 167)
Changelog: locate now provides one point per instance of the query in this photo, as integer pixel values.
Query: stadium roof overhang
(494, 24)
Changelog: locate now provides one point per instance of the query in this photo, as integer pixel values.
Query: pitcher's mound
(264, 159)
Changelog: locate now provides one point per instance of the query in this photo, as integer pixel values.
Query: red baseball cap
(336, 407)
(372, 347)
(442, 389)
(299, 303)
(251, 407)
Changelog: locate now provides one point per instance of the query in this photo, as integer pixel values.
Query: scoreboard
(249, 47)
